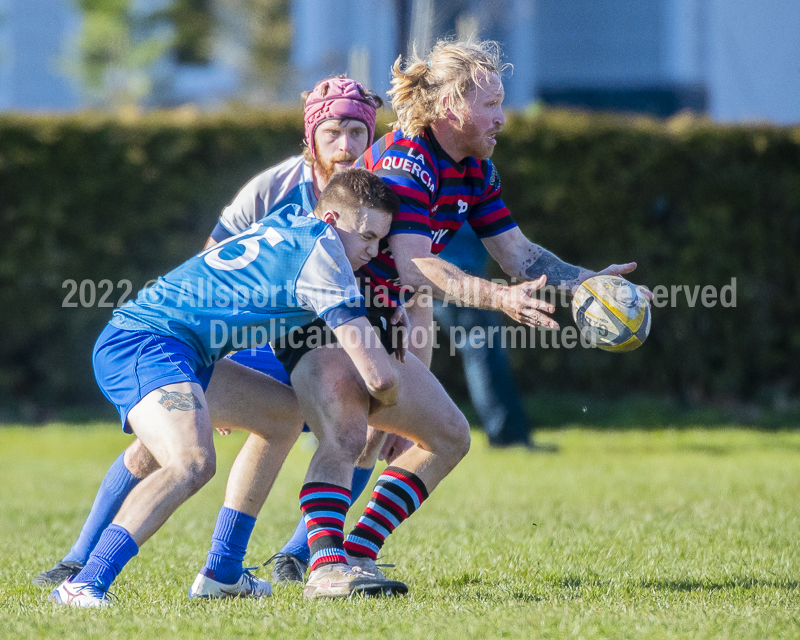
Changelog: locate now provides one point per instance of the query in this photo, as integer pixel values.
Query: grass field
(662, 534)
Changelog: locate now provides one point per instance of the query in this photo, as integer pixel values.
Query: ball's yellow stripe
(629, 345)
(609, 303)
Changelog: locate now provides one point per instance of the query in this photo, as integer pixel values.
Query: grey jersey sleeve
(247, 207)
(261, 194)
(326, 284)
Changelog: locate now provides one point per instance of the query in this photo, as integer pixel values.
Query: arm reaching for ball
(521, 258)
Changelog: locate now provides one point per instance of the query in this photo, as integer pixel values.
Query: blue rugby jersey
(437, 195)
(290, 182)
(281, 273)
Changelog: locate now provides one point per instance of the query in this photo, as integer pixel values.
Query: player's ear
(331, 217)
(448, 106)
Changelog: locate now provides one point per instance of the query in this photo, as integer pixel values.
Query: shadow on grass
(574, 582)
(711, 585)
(473, 585)
(556, 411)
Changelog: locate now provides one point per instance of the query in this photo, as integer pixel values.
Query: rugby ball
(611, 313)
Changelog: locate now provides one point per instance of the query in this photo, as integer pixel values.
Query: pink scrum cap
(338, 98)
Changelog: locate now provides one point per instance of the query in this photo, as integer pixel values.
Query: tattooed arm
(418, 269)
(521, 258)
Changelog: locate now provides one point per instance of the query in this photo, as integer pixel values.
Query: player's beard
(475, 143)
(327, 169)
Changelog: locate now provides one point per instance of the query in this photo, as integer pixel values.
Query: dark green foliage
(94, 197)
(693, 204)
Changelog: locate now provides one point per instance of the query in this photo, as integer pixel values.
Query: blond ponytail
(452, 68)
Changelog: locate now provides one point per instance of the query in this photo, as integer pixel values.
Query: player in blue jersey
(339, 116)
(155, 359)
(449, 110)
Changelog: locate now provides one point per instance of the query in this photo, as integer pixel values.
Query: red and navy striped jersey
(437, 195)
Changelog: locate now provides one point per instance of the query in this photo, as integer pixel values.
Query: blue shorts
(130, 364)
(263, 360)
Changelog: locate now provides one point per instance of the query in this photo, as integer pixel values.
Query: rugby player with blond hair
(449, 112)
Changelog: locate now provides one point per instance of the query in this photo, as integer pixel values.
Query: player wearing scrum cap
(339, 118)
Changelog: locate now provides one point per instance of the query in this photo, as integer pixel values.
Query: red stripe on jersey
(367, 158)
(451, 172)
(454, 198)
(408, 216)
(413, 145)
(406, 191)
(475, 171)
(488, 218)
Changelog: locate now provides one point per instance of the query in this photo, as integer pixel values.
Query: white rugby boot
(80, 594)
(248, 586)
(367, 565)
(340, 580)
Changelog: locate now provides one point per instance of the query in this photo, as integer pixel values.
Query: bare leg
(426, 415)
(420, 314)
(172, 422)
(181, 442)
(240, 398)
(138, 460)
(335, 403)
(335, 408)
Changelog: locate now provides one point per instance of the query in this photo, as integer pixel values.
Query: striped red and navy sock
(397, 494)
(324, 508)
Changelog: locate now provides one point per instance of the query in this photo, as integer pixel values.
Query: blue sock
(116, 486)
(360, 479)
(113, 551)
(229, 544)
(297, 545)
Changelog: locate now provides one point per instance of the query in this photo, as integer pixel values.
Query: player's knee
(293, 426)
(348, 442)
(386, 383)
(199, 469)
(454, 439)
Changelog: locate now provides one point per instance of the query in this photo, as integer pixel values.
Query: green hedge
(97, 197)
(94, 197)
(693, 204)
